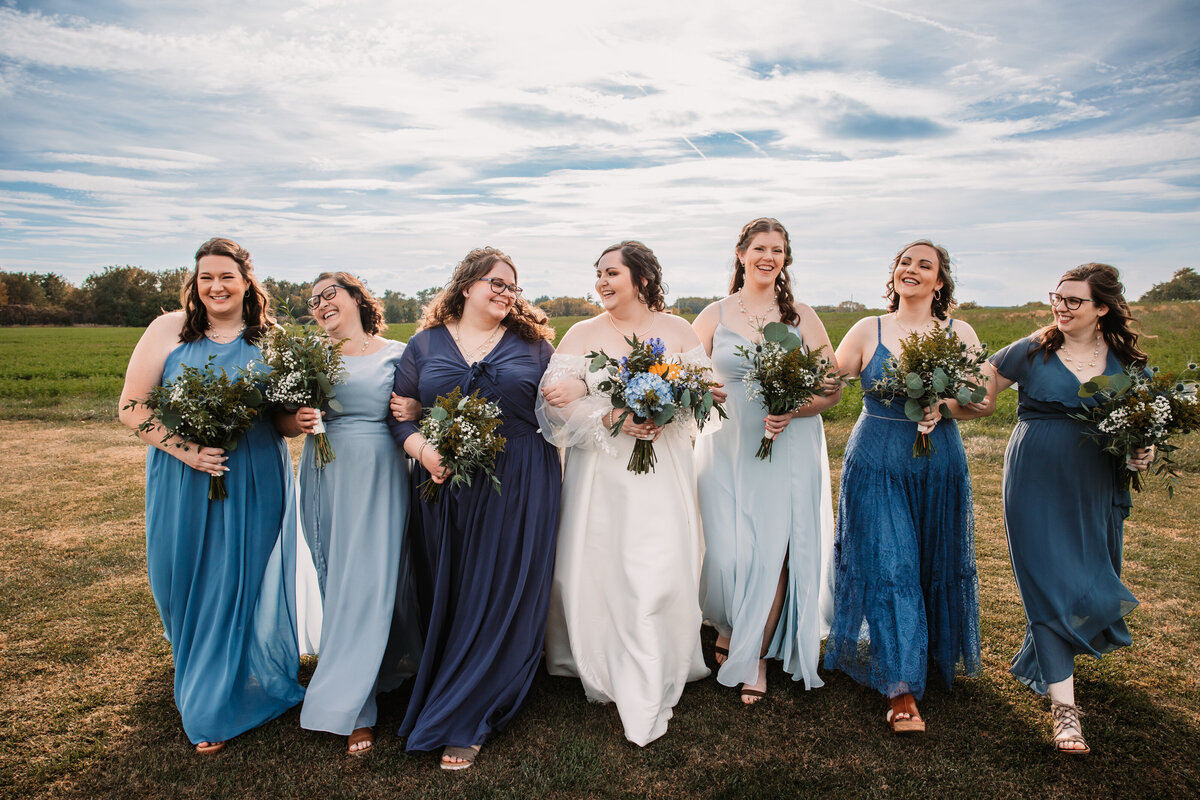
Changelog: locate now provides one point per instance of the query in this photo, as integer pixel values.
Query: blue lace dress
(1064, 513)
(483, 561)
(906, 593)
(222, 575)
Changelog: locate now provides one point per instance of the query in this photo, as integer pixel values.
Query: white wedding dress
(624, 608)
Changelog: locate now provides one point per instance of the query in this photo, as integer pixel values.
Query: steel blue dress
(757, 515)
(354, 513)
(483, 561)
(1064, 513)
(906, 592)
(222, 575)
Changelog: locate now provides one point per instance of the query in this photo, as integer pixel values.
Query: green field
(86, 677)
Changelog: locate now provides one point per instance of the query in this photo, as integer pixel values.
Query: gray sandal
(467, 754)
(1066, 718)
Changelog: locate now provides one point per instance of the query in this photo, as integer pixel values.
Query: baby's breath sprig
(465, 433)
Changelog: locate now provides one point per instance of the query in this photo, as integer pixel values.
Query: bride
(624, 609)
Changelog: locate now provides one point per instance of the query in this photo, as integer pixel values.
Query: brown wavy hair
(255, 302)
(370, 310)
(529, 321)
(1116, 325)
(943, 299)
(645, 271)
(783, 281)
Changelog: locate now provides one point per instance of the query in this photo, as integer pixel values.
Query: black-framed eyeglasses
(327, 294)
(1072, 303)
(498, 286)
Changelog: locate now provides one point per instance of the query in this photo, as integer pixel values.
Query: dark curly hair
(255, 302)
(529, 321)
(783, 282)
(943, 299)
(370, 310)
(645, 271)
(1116, 325)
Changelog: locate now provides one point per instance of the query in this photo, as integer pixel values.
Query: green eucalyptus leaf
(254, 398)
(913, 381)
(775, 332)
(944, 409)
(334, 405)
(964, 395)
(171, 420)
(708, 403)
(978, 393)
(598, 362)
(438, 413)
(664, 416)
(791, 342)
(1119, 383)
(913, 410)
(324, 383)
(940, 380)
(685, 399)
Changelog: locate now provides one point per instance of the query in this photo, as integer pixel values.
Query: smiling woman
(219, 569)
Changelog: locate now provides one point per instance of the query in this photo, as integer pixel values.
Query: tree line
(133, 296)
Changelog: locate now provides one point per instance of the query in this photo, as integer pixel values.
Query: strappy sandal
(905, 705)
(209, 748)
(360, 736)
(720, 654)
(467, 754)
(1066, 719)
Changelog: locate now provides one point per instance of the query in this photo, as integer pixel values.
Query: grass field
(86, 678)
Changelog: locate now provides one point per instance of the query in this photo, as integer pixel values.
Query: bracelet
(421, 450)
(586, 389)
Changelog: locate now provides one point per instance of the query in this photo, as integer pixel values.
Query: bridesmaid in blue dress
(1064, 507)
(354, 511)
(484, 560)
(906, 593)
(222, 572)
(768, 525)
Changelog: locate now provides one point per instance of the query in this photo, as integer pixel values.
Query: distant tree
(568, 307)
(1184, 285)
(851, 305)
(24, 288)
(399, 307)
(289, 295)
(968, 305)
(127, 295)
(3, 293)
(692, 305)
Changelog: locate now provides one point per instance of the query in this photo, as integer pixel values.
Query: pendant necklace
(224, 338)
(756, 320)
(634, 334)
(470, 355)
(1081, 366)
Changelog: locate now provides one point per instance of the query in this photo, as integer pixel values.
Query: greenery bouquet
(204, 406)
(299, 367)
(782, 375)
(464, 432)
(1135, 409)
(932, 367)
(649, 387)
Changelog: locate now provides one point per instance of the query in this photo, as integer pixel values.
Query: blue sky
(389, 138)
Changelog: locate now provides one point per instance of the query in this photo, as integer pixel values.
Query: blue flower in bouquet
(623, 372)
(646, 394)
(657, 347)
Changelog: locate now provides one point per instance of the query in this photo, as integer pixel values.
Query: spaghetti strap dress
(222, 572)
(906, 591)
(758, 518)
(1064, 515)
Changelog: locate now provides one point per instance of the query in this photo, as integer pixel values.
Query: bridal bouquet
(782, 375)
(463, 431)
(299, 366)
(649, 387)
(1136, 410)
(204, 406)
(932, 367)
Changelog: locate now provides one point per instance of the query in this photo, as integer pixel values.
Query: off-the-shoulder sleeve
(577, 424)
(405, 384)
(1013, 361)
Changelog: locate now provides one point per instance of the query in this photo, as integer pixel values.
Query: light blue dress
(222, 575)
(354, 513)
(1064, 513)
(907, 594)
(757, 515)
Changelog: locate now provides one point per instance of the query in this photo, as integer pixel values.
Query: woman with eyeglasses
(1064, 509)
(220, 570)
(625, 615)
(483, 558)
(353, 512)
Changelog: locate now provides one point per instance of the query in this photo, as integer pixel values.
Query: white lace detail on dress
(578, 424)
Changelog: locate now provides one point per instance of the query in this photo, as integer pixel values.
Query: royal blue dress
(906, 596)
(1064, 513)
(223, 573)
(484, 561)
(354, 511)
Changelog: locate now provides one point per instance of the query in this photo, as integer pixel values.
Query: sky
(390, 138)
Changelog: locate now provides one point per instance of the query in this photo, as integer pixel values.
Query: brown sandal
(360, 736)
(1066, 718)
(905, 705)
(209, 748)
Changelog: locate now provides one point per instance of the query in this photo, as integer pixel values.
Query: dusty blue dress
(483, 561)
(354, 513)
(1064, 512)
(757, 515)
(222, 575)
(906, 592)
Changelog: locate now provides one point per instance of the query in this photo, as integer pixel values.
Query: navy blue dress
(1064, 513)
(906, 593)
(483, 561)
